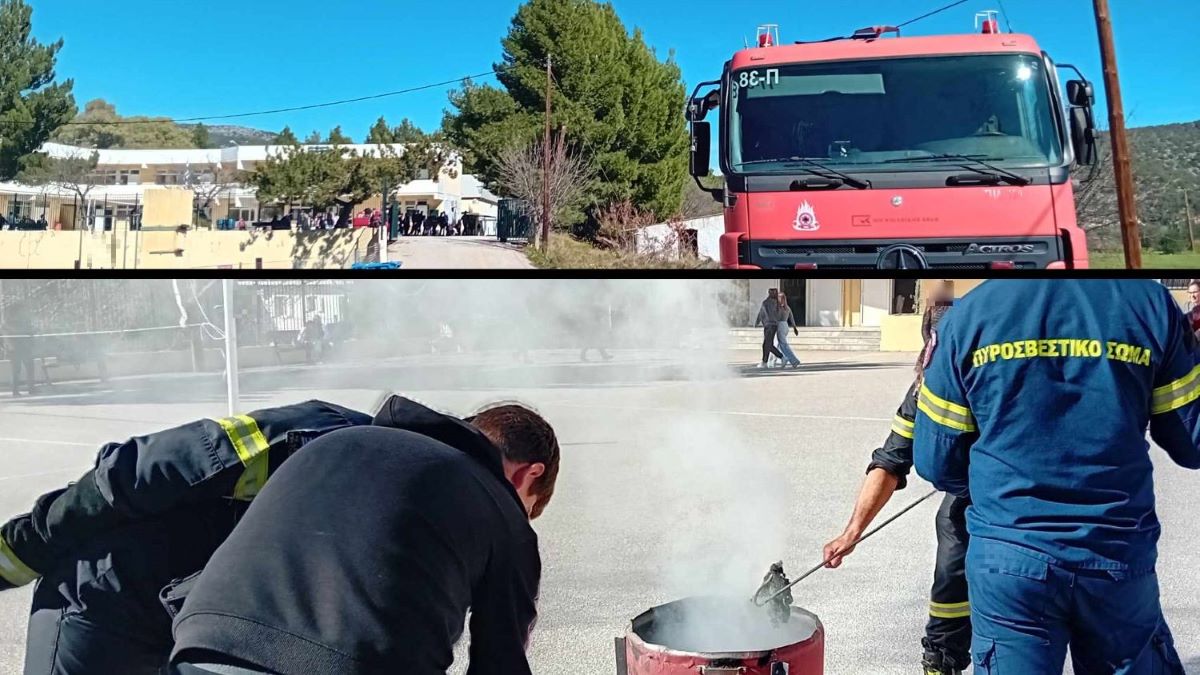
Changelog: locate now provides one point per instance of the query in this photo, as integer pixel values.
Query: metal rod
(231, 355)
(858, 541)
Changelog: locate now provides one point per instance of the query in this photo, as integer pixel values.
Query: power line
(934, 12)
(1007, 19)
(312, 106)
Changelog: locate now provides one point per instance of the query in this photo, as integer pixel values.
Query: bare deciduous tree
(76, 173)
(207, 184)
(522, 173)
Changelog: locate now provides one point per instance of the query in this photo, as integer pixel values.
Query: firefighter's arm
(1175, 402)
(896, 455)
(504, 611)
(150, 475)
(945, 427)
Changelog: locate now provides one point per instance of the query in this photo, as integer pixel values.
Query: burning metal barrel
(712, 635)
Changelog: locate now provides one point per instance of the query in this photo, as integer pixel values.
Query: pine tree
(380, 132)
(313, 139)
(620, 105)
(32, 107)
(337, 137)
(200, 137)
(286, 137)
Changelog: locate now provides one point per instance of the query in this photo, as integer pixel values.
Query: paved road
(669, 487)
(456, 253)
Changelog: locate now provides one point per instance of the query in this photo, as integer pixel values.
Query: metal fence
(82, 320)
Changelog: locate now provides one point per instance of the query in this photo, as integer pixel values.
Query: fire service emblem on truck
(806, 219)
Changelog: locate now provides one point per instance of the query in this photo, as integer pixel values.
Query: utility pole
(1187, 209)
(546, 163)
(1122, 165)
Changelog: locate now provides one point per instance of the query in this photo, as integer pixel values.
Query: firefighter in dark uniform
(1035, 403)
(947, 641)
(108, 551)
(394, 532)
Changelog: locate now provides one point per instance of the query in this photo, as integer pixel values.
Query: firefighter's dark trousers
(76, 629)
(948, 634)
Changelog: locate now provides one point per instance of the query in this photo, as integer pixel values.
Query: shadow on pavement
(752, 371)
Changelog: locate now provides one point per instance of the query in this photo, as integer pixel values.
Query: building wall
(169, 249)
(825, 297)
(168, 207)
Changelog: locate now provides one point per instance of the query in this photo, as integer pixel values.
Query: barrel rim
(631, 635)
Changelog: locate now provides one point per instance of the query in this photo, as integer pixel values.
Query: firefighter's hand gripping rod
(802, 577)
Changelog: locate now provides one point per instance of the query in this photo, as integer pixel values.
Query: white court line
(723, 412)
(47, 442)
(39, 474)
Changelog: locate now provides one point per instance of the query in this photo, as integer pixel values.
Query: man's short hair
(523, 436)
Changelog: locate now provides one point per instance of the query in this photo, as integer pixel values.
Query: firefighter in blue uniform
(114, 552)
(1035, 404)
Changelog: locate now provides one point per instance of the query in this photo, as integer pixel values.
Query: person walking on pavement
(947, 641)
(1035, 404)
(367, 549)
(786, 320)
(20, 349)
(768, 318)
(104, 551)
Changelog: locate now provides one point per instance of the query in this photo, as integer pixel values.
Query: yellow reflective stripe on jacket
(944, 412)
(12, 569)
(247, 440)
(952, 610)
(1175, 395)
(902, 427)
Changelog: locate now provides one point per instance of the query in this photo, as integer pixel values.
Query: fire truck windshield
(865, 115)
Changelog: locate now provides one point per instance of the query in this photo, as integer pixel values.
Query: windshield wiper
(993, 170)
(791, 162)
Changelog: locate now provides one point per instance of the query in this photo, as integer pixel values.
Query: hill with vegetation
(1166, 165)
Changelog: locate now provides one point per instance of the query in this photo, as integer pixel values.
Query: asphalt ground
(669, 486)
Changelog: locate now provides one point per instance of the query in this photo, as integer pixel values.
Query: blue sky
(184, 58)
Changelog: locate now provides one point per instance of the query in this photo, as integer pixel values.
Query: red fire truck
(872, 151)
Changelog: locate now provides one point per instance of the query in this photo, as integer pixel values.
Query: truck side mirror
(1082, 98)
(698, 164)
(1083, 136)
(1081, 93)
(698, 107)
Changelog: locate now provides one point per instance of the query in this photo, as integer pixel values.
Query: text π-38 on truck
(945, 152)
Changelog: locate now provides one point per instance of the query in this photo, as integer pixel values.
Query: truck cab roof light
(768, 35)
(989, 21)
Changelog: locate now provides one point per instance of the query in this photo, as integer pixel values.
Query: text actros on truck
(950, 152)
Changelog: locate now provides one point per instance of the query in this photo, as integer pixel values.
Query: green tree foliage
(380, 132)
(619, 104)
(313, 139)
(200, 137)
(339, 177)
(100, 126)
(1166, 165)
(405, 132)
(337, 137)
(286, 137)
(32, 106)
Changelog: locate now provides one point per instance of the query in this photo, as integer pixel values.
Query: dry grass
(565, 252)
